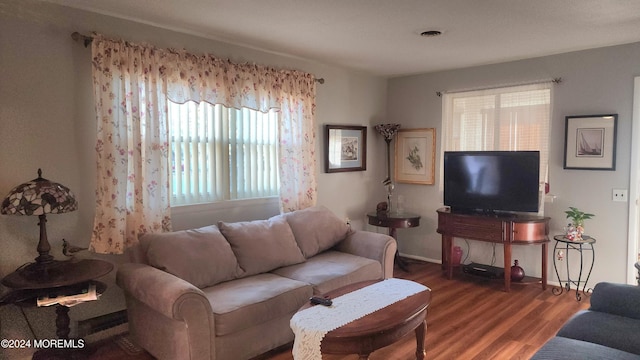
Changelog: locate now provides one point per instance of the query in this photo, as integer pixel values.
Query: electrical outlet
(619, 195)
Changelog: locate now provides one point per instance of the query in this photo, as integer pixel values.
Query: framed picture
(345, 148)
(415, 156)
(590, 142)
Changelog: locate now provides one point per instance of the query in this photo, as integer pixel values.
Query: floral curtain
(132, 189)
(132, 83)
(297, 147)
(217, 81)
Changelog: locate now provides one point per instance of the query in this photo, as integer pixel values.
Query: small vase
(390, 187)
(574, 232)
(456, 257)
(517, 273)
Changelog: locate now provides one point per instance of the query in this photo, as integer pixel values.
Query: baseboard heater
(101, 323)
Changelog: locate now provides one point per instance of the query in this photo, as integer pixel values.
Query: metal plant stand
(581, 246)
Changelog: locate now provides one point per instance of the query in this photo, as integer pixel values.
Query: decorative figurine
(69, 249)
(381, 208)
(571, 233)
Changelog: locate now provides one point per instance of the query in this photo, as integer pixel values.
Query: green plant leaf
(577, 216)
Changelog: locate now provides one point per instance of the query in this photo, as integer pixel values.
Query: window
(219, 153)
(509, 118)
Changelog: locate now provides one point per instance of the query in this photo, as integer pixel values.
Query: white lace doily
(312, 324)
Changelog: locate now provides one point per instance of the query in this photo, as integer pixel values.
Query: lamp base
(43, 259)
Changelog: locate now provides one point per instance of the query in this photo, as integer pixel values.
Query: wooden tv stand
(508, 230)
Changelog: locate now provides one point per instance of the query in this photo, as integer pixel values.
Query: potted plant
(575, 228)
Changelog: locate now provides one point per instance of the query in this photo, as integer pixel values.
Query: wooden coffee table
(381, 328)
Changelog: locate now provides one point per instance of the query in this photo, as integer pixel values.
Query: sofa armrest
(617, 299)
(161, 291)
(375, 246)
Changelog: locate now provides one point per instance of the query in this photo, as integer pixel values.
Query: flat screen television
(491, 181)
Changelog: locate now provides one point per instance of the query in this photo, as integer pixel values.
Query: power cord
(468, 251)
(26, 319)
(493, 256)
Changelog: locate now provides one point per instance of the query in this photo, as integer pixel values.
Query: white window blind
(218, 153)
(508, 118)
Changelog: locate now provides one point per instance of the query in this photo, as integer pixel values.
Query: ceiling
(382, 37)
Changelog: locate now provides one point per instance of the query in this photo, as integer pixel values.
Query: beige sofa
(227, 292)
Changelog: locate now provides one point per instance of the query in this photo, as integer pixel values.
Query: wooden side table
(507, 230)
(395, 220)
(61, 277)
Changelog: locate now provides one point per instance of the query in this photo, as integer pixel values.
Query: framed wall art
(415, 156)
(590, 142)
(345, 148)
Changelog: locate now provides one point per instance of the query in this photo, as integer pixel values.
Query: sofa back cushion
(201, 256)
(617, 299)
(316, 229)
(262, 245)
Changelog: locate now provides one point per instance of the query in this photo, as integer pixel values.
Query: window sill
(222, 205)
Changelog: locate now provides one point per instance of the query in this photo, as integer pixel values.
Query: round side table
(64, 278)
(581, 246)
(67, 277)
(395, 220)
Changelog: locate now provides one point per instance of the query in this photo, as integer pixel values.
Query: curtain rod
(556, 81)
(86, 40)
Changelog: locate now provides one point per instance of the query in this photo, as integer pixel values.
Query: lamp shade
(38, 197)
(387, 130)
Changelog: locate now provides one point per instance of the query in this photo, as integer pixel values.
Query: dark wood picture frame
(590, 142)
(345, 148)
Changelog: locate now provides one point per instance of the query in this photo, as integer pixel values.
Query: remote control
(320, 300)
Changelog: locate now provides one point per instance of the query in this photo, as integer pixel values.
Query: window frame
(497, 92)
(221, 153)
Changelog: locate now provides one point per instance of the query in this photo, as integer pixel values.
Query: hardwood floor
(469, 318)
(472, 318)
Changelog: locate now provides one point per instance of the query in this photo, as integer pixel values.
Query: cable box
(487, 271)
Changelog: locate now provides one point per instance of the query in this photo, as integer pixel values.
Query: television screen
(491, 181)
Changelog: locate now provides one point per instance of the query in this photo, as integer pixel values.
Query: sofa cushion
(619, 299)
(244, 303)
(331, 270)
(606, 329)
(571, 349)
(201, 256)
(262, 245)
(316, 229)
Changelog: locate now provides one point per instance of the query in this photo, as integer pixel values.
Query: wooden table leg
(447, 251)
(398, 260)
(421, 332)
(75, 352)
(507, 267)
(62, 322)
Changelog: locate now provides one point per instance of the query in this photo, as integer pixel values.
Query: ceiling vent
(431, 33)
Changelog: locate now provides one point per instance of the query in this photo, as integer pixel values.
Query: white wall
(597, 81)
(47, 121)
